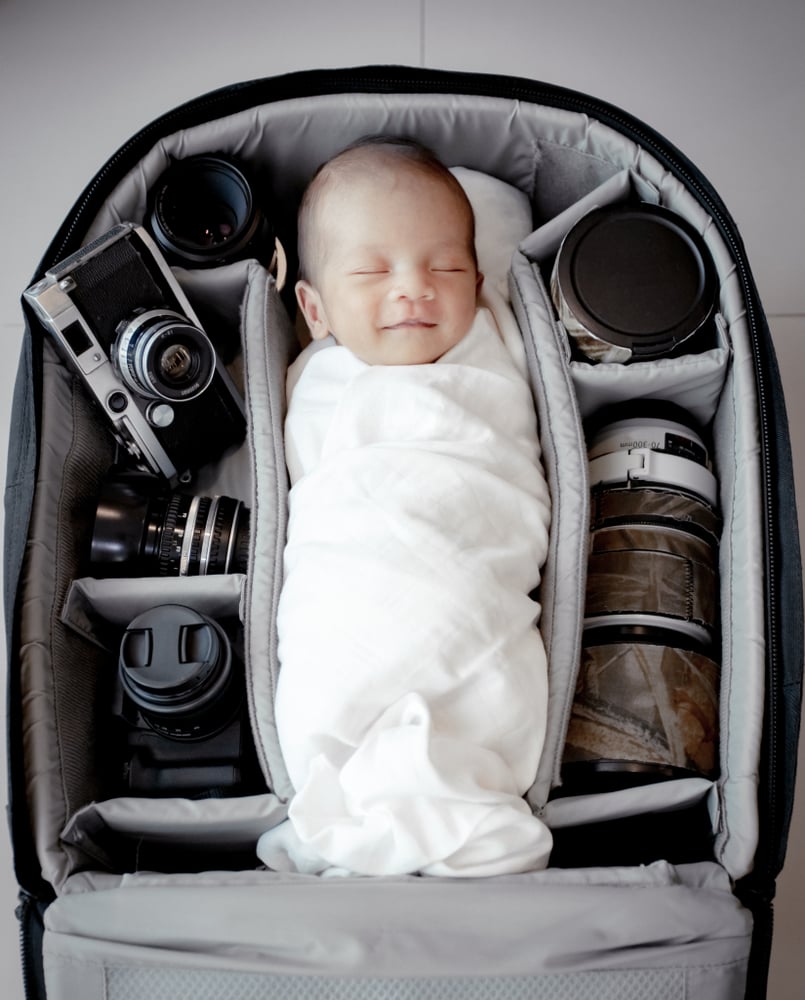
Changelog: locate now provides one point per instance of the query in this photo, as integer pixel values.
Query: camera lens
(161, 355)
(176, 666)
(634, 282)
(645, 709)
(646, 700)
(137, 533)
(203, 212)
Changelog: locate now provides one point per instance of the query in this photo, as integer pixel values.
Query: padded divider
(131, 834)
(268, 340)
(99, 609)
(541, 246)
(60, 673)
(692, 381)
(564, 459)
(661, 797)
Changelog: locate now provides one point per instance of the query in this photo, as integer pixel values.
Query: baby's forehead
(362, 170)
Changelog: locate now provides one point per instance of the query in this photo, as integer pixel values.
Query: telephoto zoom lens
(137, 533)
(646, 700)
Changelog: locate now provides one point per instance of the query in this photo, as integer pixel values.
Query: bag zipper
(29, 915)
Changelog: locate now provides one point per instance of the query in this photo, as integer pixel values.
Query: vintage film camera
(180, 705)
(124, 324)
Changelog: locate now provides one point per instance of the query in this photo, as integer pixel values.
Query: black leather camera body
(123, 323)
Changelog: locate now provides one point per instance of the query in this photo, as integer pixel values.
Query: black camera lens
(176, 666)
(160, 354)
(203, 212)
(634, 282)
(138, 533)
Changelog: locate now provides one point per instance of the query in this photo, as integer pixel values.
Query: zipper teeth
(21, 913)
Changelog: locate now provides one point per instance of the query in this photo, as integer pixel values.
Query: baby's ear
(312, 309)
(479, 283)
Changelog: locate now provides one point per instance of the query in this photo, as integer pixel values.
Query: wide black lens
(203, 211)
(174, 534)
(176, 666)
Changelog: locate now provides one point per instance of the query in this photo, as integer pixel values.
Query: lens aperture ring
(174, 522)
(190, 563)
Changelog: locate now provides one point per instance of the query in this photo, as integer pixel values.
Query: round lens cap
(638, 277)
(168, 653)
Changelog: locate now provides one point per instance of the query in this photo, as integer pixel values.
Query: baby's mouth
(412, 323)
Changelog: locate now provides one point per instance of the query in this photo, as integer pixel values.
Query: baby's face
(397, 282)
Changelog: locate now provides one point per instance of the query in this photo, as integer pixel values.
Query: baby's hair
(361, 154)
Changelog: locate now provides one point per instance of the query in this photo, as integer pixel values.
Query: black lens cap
(170, 655)
(637, 277)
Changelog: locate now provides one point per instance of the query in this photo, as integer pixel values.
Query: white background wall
(722, 79)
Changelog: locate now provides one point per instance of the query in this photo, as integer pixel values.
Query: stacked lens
(646, 702)
(140, 532)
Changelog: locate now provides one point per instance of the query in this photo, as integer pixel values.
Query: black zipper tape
(30, 914)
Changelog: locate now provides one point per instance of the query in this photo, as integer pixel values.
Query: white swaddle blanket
(412, 692)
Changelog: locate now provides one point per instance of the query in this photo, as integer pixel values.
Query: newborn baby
(412, 692)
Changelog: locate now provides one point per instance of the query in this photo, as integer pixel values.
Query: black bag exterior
(783, 604)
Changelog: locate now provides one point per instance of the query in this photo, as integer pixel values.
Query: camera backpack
(657, 889)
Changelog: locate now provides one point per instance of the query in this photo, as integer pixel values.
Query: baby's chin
(410, 347)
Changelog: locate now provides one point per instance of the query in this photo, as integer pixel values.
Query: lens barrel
(203, 213)
(634, 282)
(162, 355)
(173, 534)
(646, 701)
(176, 666)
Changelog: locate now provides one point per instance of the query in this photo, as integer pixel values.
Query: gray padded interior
(566, 163)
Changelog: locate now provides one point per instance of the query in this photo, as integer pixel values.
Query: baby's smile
(412, 323)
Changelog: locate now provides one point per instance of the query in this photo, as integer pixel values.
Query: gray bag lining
(565, 162)
(342, 933)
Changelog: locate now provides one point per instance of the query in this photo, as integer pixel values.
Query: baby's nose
(413, 283)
